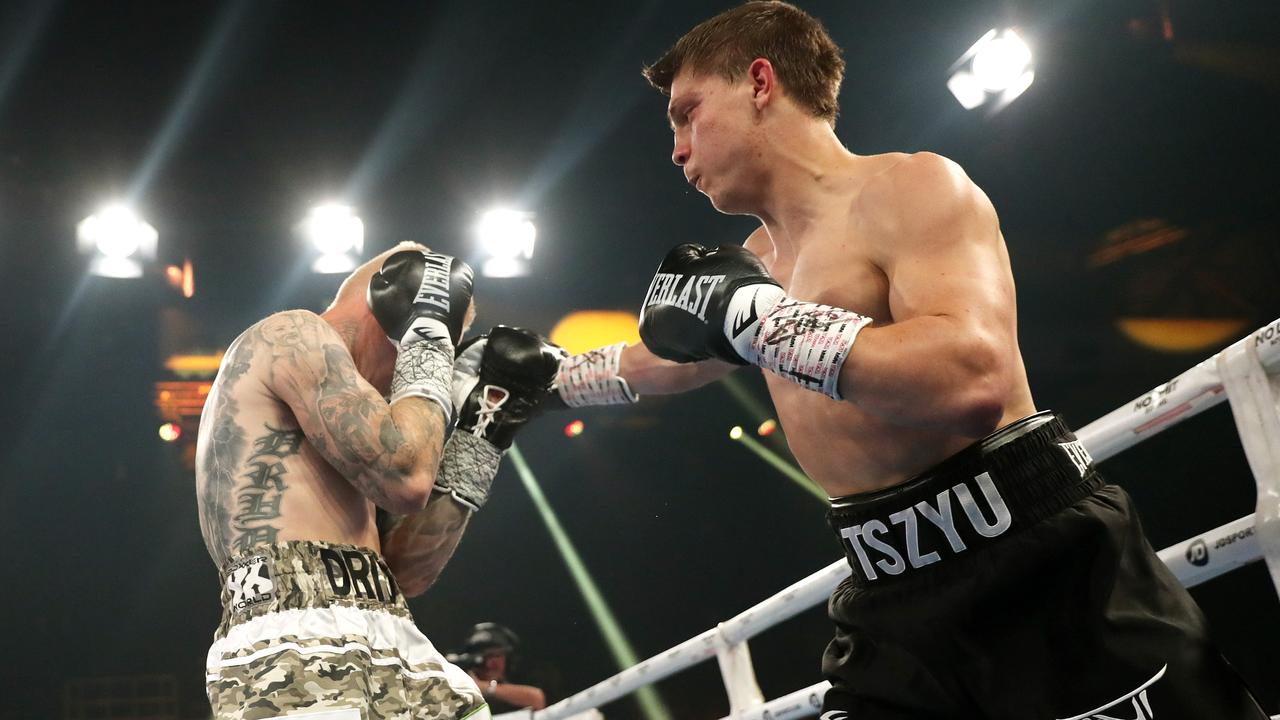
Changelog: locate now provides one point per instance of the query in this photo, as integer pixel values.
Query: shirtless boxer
(995, 574)
(299, 451)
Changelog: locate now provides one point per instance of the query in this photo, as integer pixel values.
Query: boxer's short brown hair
(806, 59)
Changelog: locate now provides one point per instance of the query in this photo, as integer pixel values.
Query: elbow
(410, 493)
(980, 415)
(982, 406)
(412, 589)
(539, 699)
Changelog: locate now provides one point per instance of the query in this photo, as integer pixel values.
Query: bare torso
(258, 478)
(844, 448)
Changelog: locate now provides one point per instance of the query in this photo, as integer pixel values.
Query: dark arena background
(1135, 178)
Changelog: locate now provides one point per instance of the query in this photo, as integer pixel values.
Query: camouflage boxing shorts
(321, 630)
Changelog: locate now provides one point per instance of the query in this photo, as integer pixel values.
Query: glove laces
(488, 410)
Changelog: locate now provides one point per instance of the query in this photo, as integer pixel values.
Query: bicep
(343, 416)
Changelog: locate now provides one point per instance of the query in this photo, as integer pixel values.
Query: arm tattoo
(418, 546)
(348, 422)
(259, 501)
(226, 443)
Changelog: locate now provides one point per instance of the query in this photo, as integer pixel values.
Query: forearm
(397, 468)
(648, 374)
(929, 371)
(417, 547)
(411, 431)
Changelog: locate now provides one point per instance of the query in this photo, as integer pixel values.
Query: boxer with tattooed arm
(299, 452)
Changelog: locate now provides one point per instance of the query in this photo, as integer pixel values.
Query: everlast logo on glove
(434, 289)
(902, 540)
(358, 575)
(690, 293)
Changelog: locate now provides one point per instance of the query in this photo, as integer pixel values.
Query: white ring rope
(1245, 373)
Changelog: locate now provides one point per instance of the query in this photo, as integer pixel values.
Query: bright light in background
(505, 238)
(119, 241)
(170, 432)
(767, 428)
(181, 278)
(735, 432)
(336, 234)
(995, 71)
(574, 429)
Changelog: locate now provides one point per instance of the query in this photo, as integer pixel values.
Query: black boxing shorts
(1012, 582)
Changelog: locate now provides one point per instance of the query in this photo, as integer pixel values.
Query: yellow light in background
(1181, 334)
(767, 428)
(585, 330)
(194, 365)
(735, 433)
(182, 278)
(574, 429)
(170, 432)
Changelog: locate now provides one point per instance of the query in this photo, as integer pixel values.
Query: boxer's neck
(808, 170)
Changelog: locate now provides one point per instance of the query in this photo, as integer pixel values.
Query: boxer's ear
(764, 82)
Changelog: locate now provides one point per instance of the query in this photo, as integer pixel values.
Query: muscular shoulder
(300, 347)
(292, 330)
(912, 199)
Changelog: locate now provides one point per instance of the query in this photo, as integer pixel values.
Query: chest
(835, 267)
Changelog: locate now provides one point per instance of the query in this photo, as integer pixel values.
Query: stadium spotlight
(505, 238)
(336, 234)
(118, 241)
(994, 72)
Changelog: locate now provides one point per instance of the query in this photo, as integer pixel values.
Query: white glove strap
(591, 378)
(425, 369)
(468, 465)
(804, 342)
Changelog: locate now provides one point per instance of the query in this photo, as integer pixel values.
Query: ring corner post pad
(1254, 396)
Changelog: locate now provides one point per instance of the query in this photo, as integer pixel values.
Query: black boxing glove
(684, 312)
(723, 304)
(420, 299)
(499, 381)
(420, 295)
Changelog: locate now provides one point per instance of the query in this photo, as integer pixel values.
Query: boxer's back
(843, 263)
(258, 479)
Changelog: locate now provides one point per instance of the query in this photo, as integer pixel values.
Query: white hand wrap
(804, 342)
(425, 369)
(468, 465)
(591, 378)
